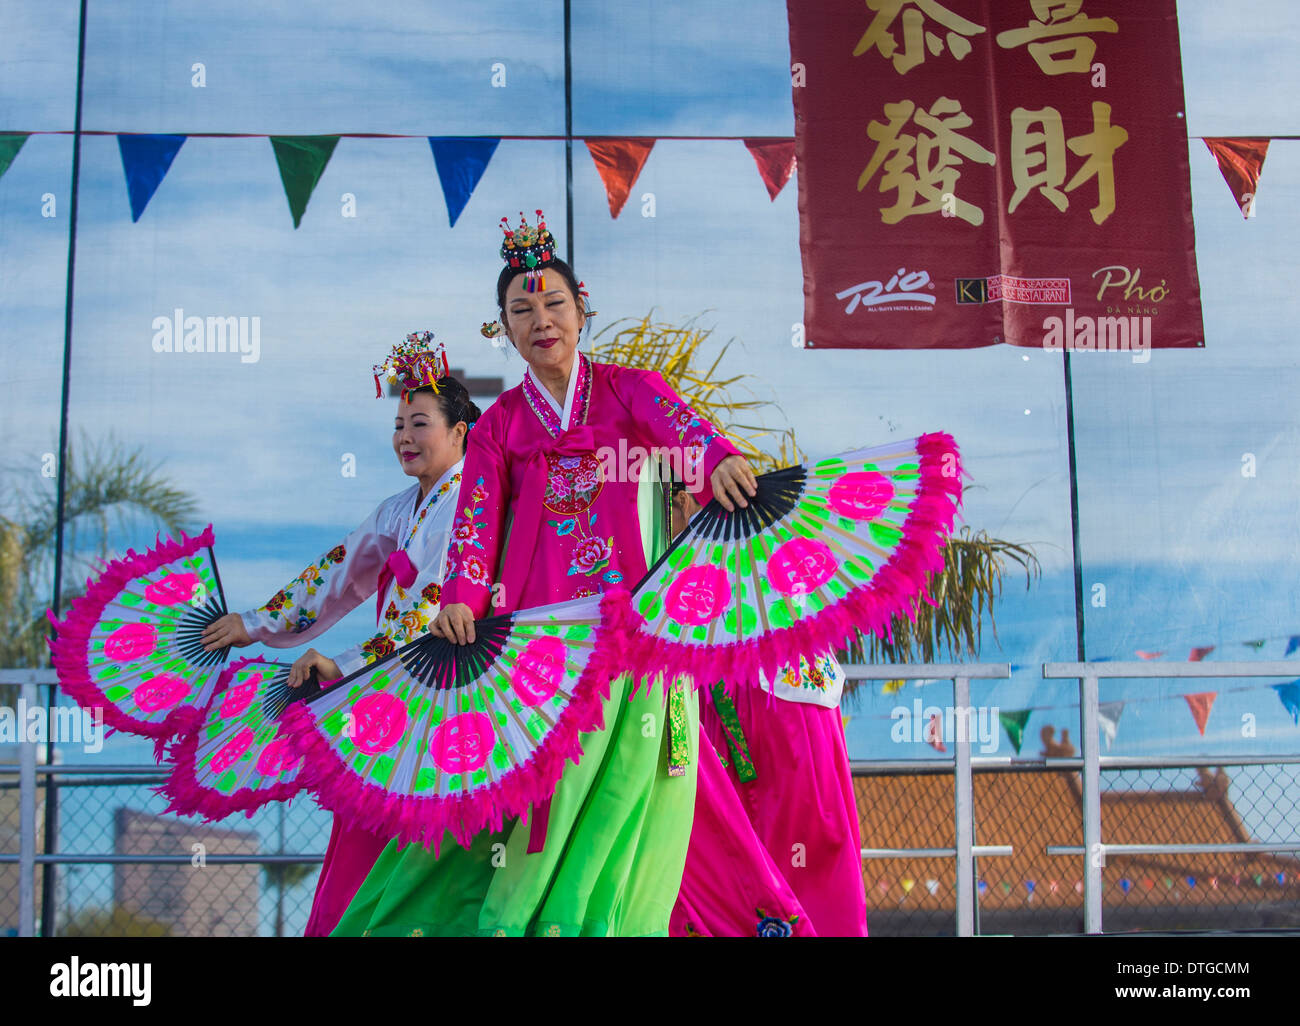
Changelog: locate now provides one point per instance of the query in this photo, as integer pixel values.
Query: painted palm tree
(974, 562)
(109, 488)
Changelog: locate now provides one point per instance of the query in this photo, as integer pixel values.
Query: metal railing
(1094, 849)
(962, 764)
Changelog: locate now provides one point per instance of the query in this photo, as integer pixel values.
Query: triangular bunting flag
(908, 884)
(146, 160)
(9, 147)
(1290, 696)
(1108, 720)
(1148, 655)
(460, 164)
(1256, 645)
(775, 160)
(619, 163)
(1200, 704)
(1241, 161)
(932, 886)
(1014, 724)
(1197, 654)
(891, 687)
(1292, 644)
(302, 160)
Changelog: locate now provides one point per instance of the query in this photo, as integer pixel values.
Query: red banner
(983, 171)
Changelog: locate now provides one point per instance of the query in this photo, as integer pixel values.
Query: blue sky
(1191, 552)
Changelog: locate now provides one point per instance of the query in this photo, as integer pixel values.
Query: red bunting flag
(1197, 654)
(775, 160)
(1200, 704)
(1241, 161)
(619, 163)
(1148, 655)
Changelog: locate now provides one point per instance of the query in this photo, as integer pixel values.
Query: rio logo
(903, 291)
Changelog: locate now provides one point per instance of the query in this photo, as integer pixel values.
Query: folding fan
(825, 548)
(131, 644)
(235, 760)
(438, 737)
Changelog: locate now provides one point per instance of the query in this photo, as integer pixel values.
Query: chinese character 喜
(916, 38)
(1059, 18)
(923, 168)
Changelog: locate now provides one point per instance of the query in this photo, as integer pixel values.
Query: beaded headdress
(531, 247)
(415, 362)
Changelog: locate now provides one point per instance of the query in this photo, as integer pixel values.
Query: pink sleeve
(691, 445)
(476, 532)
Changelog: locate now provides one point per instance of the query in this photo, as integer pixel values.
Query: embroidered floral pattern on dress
(391, 612)
(301, 586)
(465, 533)
(432, 594)
(771, 926)
(443, 489)
(572, 483)
(817, 677)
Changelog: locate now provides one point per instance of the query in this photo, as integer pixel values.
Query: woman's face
(544, 326)
(426, 445)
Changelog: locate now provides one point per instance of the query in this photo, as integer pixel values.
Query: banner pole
(568, 135)
(1074, 511)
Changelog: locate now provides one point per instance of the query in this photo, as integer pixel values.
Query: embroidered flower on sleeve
(277, 601)
(391, 612)
(335, 555)
(378, 647)
(306, 617)
(432, 593)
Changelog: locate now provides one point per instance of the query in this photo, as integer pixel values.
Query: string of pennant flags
(460, 162)
(1145, 884)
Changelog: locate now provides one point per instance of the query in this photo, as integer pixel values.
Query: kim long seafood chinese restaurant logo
(905, 290)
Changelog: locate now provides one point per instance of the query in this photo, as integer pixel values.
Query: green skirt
(613, 860)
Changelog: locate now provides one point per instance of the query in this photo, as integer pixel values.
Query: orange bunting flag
(1148, 655)
(1200, 704)
(1197, 654)
(1241, 161)
(619, 162)
(775, 160)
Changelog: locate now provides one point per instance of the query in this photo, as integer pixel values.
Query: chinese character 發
(1038, 157)
(1059, 18)
(916, 38)
(923, 168)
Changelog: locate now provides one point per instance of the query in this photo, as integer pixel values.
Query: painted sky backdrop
(1190, 551)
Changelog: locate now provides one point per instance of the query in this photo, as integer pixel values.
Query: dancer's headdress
(415, 362)
(531, 247)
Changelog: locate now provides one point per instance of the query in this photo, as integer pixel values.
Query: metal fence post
(965, 810)
(26, 815)
(1093, 853)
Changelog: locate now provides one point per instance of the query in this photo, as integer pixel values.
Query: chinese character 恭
(923, 166)
(1059, 18)
(1038, 157)
(916, 38)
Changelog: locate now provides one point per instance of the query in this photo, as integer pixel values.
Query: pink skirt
(348, 859)
(783, 845)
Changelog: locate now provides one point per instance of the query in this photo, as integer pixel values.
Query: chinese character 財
(923, 168)
(916, 38)
(1038, 157)
(1059, 18)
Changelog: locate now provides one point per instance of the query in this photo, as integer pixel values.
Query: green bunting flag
(302, 160)
(9, 147)
(1014, 724)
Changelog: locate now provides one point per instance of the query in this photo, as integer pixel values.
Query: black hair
(509, 274)
(454, 402)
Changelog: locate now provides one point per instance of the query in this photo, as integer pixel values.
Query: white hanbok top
(350, 573)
